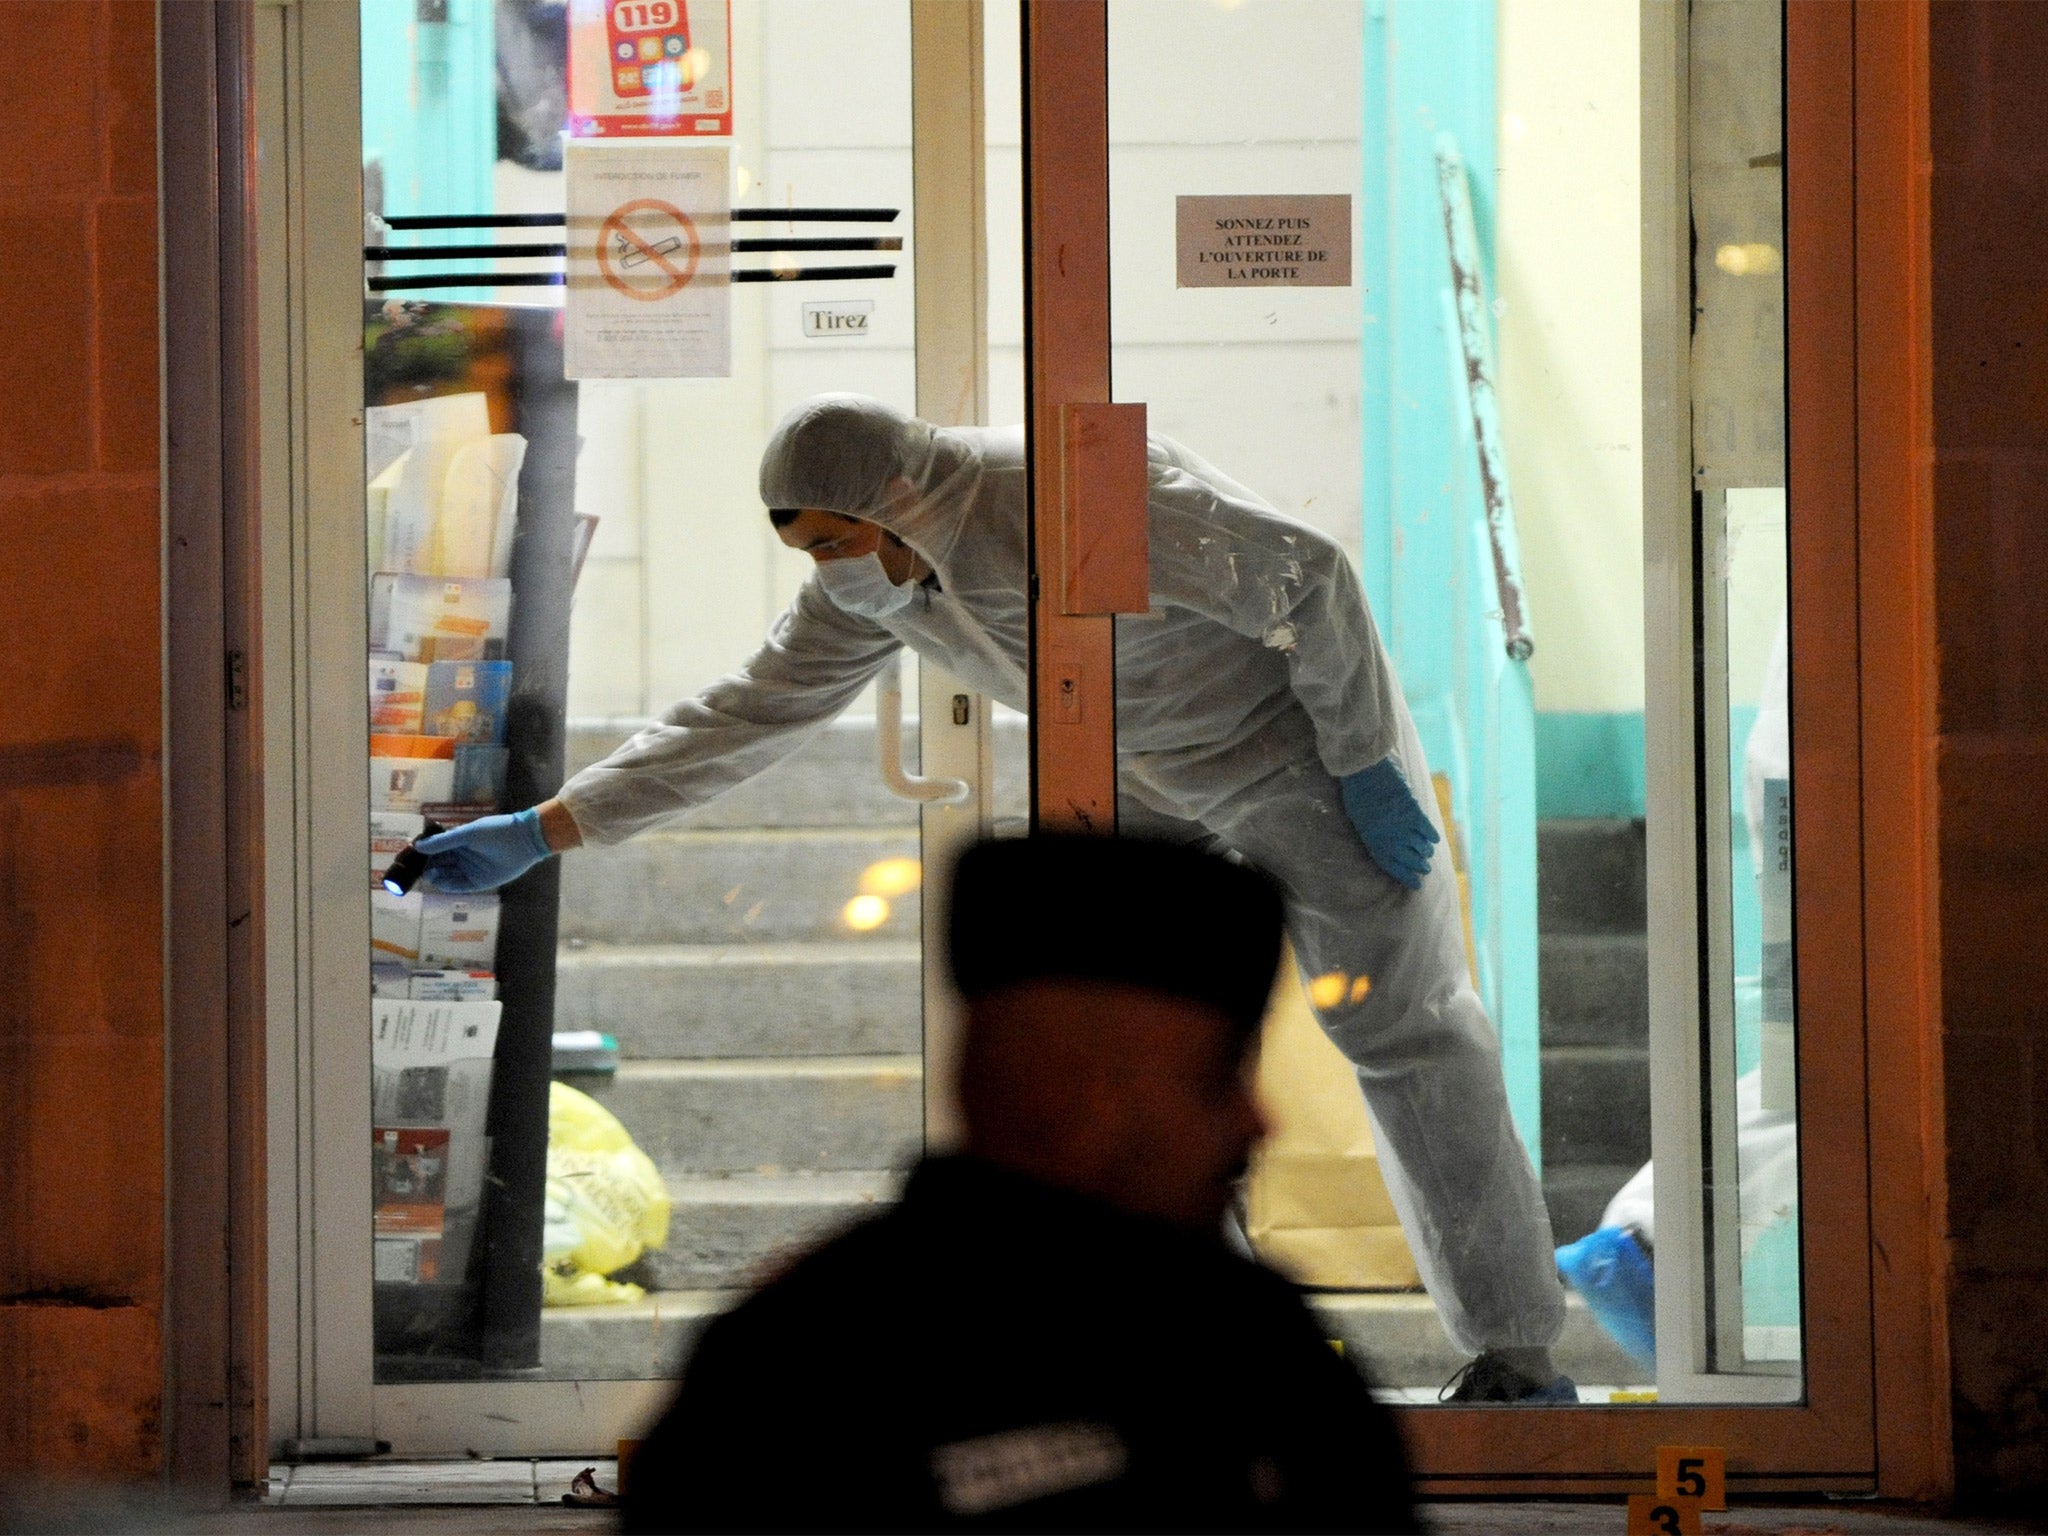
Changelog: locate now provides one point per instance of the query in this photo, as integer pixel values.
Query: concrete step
(770, 1114)
(1596, 1104)
(733, 887)
(1394, 1336)
(735, 1231)
(677, 1001)
(1595, 988)
(830, 781)
(1590, 876)
(1577, 1194)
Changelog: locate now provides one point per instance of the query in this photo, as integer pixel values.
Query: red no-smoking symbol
(647, 249)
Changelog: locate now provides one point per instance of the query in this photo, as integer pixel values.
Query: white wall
(1256, 97)
(1569, 297)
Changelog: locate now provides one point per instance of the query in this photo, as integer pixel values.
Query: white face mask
(860, 585)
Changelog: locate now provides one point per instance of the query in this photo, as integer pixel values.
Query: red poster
(650, 68)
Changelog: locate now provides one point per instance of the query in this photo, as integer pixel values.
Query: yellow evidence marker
(1651, 1514)
(1696, 1472)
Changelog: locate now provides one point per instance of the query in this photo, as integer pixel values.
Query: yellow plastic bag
(606, 1203)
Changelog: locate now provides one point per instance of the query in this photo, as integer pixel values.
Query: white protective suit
(1254, 683)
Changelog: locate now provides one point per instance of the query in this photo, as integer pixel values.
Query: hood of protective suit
(857, 456)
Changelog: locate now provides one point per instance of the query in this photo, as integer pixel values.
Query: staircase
(770, 1054)
(1595, 988)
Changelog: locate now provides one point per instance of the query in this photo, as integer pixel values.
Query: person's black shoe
(1487, 1378)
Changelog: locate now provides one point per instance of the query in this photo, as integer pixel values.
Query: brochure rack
(485, 1321)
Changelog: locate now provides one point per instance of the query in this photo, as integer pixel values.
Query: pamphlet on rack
(406, 772)
(480, 770)
(409, 1201)
(467, 699)
(429, 1097)
(398, 694)
(395, 926)
(436, 618)
(459, 932)
(456, 813)
(444, 489)
(389, 431)
(480, 773)
(450, 986)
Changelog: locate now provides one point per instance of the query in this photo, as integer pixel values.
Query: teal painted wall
(430, 116)
(1589, 764)
(1426, 561)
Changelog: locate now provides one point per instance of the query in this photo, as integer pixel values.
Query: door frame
(1874, 1418)
(214, 1190)
(1858, 357)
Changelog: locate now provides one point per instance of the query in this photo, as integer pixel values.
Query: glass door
(604, 251)
(1459, 331)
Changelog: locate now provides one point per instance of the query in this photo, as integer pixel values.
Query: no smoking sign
(647, 249)
(649, 279)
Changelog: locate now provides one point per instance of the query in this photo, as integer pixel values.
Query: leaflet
(405, 784)
(467, 699)
(459, 932)
(451, 986)
(434, 618)
(429, 1098)
(395, 926)
(398, 694)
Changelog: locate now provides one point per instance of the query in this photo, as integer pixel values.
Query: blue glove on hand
(1391, 825)
(486, 853)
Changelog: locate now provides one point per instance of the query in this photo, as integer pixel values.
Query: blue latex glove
(486, 853)
(1391, 825)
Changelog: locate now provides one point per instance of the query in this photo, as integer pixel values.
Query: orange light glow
(864, 914)
(1328, 990)
(891, 877)
(1754, 259)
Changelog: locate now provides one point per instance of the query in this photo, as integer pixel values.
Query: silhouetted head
(1114, 988)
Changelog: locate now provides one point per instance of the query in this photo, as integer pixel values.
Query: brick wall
(81, 868)
(1990, 230)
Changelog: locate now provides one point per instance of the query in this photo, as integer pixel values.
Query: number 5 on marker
(1697, 1472)
(1651, 1514)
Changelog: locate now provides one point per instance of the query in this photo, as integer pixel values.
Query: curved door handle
(889, 744)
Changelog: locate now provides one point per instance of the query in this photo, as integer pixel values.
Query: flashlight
(406, 869)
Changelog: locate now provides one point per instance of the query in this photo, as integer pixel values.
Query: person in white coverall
(1256, 710)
